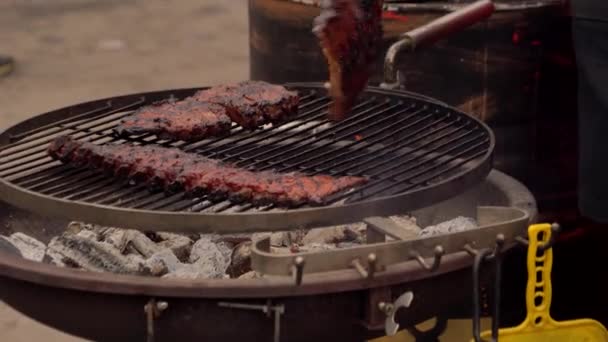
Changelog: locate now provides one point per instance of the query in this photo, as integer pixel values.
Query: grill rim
(238, 222)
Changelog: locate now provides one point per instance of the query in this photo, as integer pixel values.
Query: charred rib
(210, 112)
(170, 168)
(350, 32)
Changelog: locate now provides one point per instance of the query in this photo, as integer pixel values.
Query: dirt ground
(69, 51)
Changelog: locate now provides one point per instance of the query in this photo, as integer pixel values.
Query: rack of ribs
(184, 120)
(210, 112)
(350, 32)
(171, 169)
(252, 103)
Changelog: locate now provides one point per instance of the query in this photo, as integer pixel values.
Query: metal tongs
(430, 33)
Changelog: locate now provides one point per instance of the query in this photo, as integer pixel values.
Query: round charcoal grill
(415, 152)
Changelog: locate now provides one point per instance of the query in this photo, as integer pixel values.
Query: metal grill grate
(404, 144)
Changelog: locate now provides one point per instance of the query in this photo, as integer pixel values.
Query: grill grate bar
(74, 175)
(253, 134)
(86, 180)
(111, 189)
(55, 125)
(261, 137)
(369, 139)
(245, 150)
(354, 120)
(411, 138)
(117, 191)
(395, 170)
(435, 175)
(78, 194)
(73, 126)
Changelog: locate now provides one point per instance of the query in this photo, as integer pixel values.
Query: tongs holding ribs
(350, 32)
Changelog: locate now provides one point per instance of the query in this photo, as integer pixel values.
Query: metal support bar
(481, 255)
(153, 309)
(268, 309)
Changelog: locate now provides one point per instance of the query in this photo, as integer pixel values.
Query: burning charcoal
(348, 244)
(94, 255)
(241, 260)
(316, 247)
(188, 271)
(88, 234)
(75, 227)
(117, 238)
(250, 275)
(407, 222)
(457, 224)
(180, 245)
(330, 235)
(7, 246)
(224, 247)
(235, 239)
(29, 247)
(54, 258)
(142, 243)
(211, 258)
(164, 260)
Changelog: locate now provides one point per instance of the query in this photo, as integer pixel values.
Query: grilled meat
(350, 32)
(171, 169)
(252, 103)
(184, 120)
(209, 112)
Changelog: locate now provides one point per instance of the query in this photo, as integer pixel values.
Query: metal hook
(555, 228)
(153, 309)
(431, 334)
(298, 269)
(480, 256)
(436, 261)
(371, 261)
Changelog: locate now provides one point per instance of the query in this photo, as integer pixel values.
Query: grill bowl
(327, 306)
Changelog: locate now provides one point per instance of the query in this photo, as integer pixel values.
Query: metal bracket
(153, 309)
(430, 335)
(555, 229)
(390, 309)
(268, 309)
(480, 256)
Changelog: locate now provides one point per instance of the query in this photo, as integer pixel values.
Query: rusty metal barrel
(514, 71)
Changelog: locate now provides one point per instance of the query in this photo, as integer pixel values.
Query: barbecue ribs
(183, 120)
(252, 103)
(172, 169)
(350, 32)
(211, 112)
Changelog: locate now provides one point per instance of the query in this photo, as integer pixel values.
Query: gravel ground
(69, 51)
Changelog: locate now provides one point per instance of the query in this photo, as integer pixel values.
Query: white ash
(94, 256)
(7, 246)
(458, 224)
(88, 234)
(29, 247)
(178, 244)
(117, 238)
(55, 258)
(211, 258)
(142, 243)
(163, 259)
(250, 275)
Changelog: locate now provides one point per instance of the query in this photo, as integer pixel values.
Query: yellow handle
(538, 290)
